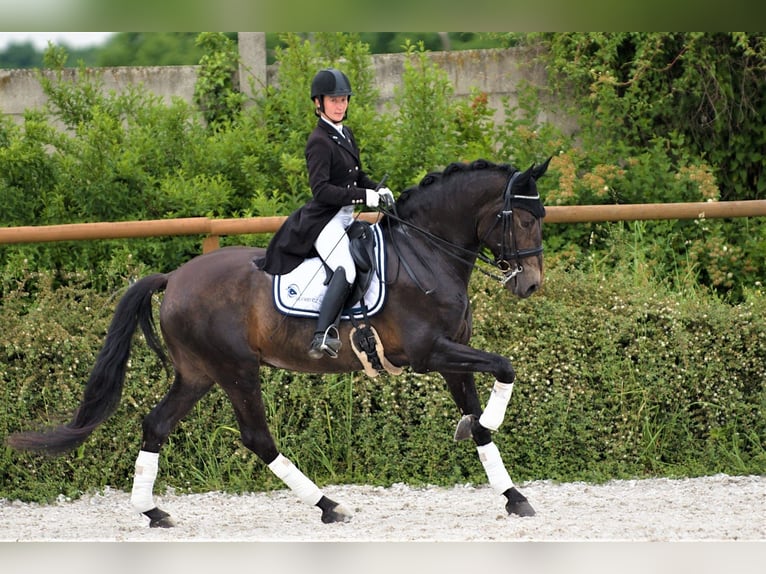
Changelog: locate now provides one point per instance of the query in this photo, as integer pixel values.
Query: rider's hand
(372, 198)
(386, 196)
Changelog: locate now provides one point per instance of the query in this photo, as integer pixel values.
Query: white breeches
(333, 245)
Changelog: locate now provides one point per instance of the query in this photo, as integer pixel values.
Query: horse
(219, 325)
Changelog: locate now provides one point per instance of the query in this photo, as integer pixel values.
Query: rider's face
(335, 108)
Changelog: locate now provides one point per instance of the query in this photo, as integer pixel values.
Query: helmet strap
(319, 110)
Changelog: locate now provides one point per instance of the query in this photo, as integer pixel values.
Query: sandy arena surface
(715, 508)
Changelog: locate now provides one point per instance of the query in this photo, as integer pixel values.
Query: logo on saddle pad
(300, 292)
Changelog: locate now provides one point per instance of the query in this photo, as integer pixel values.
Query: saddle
(362, 247)
(295, 294)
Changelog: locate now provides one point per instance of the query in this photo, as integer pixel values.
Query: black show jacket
(336, 179)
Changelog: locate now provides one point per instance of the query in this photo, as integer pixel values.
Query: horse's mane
(438, 177)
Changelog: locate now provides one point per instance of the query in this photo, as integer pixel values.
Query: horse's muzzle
(523, 283)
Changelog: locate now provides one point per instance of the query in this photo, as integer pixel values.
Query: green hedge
(614, 381)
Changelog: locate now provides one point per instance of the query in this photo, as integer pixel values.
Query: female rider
(338, 184)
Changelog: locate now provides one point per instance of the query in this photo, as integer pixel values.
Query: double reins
(502, 262)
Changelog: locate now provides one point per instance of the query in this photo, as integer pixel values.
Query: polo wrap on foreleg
(147, 464)
(498, 476)
(298, 482)
(493, 414)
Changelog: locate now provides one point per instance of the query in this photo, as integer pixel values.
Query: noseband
(508, 261)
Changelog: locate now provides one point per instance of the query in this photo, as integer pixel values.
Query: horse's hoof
(520, 508)
(159, 518)
(337, 513)
(463, 430)
(517, 504)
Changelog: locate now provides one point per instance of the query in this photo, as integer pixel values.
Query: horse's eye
(526, 222)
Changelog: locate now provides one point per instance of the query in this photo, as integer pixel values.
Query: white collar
(338, 127)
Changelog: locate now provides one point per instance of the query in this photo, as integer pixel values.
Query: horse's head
(514, 234)
(460, 212)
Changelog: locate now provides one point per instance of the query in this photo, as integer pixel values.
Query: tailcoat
(336, 179)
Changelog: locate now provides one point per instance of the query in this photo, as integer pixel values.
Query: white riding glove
(386, 196)
(372, 199)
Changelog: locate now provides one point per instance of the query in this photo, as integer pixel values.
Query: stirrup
(322, 344)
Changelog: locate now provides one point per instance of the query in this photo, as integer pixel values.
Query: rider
(338, 184)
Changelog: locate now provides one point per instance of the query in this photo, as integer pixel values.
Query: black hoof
(333, 512)
(463, 430)
(159, 518)
(517, 504)
(337, 514)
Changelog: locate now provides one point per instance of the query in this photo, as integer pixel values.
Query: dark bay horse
(219, 324)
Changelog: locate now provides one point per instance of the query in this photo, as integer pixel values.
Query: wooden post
(210, 243)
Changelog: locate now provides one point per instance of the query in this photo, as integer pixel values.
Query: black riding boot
(326, 339)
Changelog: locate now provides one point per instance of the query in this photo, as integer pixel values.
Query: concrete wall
(496, 72)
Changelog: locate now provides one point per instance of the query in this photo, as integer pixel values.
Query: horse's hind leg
(473, 425)
(244, 391)
(157, 426)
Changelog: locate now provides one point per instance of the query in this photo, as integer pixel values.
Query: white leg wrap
(499, 479)
(298, 482)
(143, 481)
(493, 414)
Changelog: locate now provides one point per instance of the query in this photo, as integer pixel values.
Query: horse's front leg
(475, 425)
(458, 363)
(245, 395)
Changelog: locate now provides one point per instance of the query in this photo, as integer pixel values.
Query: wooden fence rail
(212, 229)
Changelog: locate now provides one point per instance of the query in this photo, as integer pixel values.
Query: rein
(501, 262)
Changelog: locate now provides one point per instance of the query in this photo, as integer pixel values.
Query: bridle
(509, 252)
(508, 261)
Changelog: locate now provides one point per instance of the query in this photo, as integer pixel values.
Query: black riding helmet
(329, 82)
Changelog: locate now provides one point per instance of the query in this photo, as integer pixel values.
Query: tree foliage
(667, 117)
(181, 49)
(696, 94)
(151, 49)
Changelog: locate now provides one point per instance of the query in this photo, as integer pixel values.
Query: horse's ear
(522, 179)
(539, 171)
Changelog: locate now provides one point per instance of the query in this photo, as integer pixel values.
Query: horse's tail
(104, 388)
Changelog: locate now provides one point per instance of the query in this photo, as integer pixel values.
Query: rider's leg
(333, 247)
(326, 338)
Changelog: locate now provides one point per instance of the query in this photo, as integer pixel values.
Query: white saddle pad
(300, 292)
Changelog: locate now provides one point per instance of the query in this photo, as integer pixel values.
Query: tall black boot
(326, 339)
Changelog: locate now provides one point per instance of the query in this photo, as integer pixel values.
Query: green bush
(613, 382)
(134, 156)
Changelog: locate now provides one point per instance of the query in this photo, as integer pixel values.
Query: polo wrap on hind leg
(298, 482)
(147, 464)
(498, 476)
(493, 414)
